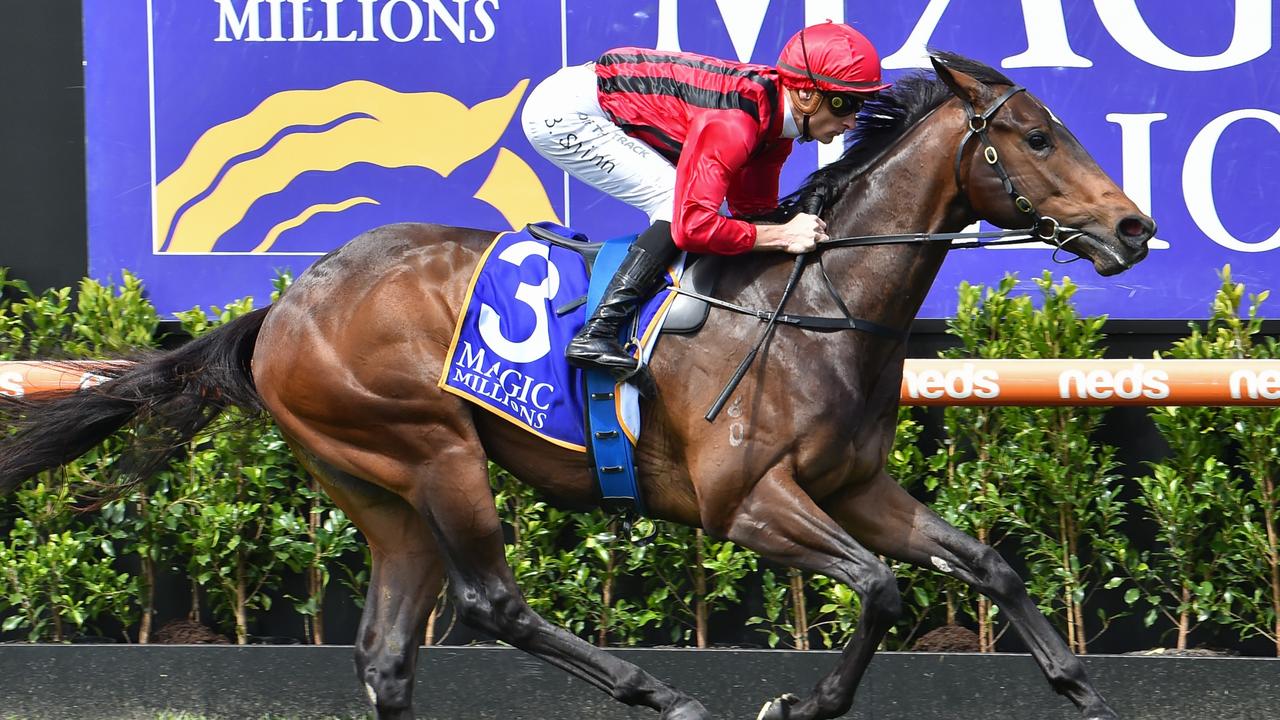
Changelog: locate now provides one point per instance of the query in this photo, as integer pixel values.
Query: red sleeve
(717, 146)
(756, 189)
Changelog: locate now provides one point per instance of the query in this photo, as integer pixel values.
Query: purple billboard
(230, 140)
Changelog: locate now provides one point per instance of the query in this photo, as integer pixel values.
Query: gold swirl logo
(234, 164)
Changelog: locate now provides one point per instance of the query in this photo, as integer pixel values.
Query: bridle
(1043, 227)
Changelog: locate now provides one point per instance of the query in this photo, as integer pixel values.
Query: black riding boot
(596, 344)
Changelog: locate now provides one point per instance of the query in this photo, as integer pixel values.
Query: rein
(976, 239)
(1043, 229)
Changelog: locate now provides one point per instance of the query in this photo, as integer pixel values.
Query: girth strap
(808, 322)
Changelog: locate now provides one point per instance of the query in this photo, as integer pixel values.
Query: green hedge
(238, 514)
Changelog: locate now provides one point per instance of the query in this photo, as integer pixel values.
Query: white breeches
(564, 123)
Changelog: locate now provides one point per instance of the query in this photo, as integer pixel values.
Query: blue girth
(612, 455)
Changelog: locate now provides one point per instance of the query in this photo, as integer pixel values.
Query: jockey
(677, 135)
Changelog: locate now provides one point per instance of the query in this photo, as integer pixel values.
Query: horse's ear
(963, 85)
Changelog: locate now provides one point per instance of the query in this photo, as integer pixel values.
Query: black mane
(882, 121)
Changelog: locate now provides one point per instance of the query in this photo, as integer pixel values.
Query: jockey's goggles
(844, 104)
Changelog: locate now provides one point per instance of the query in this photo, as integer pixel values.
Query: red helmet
(832, 57)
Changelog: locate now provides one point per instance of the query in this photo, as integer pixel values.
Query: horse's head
(1019, 166)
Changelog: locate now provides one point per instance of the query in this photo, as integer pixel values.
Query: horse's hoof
(687, 709)
(778, 708)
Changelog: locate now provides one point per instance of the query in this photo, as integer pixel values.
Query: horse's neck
(887, 284)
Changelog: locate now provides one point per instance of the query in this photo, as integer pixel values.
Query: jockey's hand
(798, 235)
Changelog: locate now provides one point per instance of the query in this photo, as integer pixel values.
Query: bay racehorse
(346, 363)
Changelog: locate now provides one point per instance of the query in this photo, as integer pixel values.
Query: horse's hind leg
(890, 521)
(404, 582)
(782, 523)
(452, 491)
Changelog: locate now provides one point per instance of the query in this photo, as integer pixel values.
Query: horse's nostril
(1135, 227)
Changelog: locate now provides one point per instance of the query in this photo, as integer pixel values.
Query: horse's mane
(884, 119)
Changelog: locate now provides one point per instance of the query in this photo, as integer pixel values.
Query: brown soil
(186, 632)
(948, 638)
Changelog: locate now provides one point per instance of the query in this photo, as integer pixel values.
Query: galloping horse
(346, 363)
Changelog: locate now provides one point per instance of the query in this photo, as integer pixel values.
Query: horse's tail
(171, 396)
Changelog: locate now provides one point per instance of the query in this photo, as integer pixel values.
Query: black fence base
(74, 682)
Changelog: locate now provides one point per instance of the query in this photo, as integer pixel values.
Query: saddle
(687, 314)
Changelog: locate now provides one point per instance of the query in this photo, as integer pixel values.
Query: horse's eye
(1038, 140)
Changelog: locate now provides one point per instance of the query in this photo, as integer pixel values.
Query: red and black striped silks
(719, 122)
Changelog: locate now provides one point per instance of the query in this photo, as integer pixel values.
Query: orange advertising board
(1091, 382)
(940, 382)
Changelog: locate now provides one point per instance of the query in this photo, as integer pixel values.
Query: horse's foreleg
(782, 523)
(404, 582)
(891, 522)
(454, 494)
